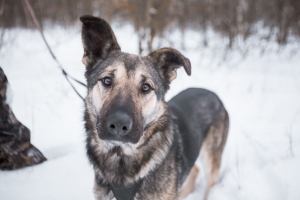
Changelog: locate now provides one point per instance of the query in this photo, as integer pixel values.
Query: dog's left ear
(98, 40)
(168, 60)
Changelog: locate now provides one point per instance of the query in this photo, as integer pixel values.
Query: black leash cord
(38, 27)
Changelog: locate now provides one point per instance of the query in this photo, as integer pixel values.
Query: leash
(38, 27)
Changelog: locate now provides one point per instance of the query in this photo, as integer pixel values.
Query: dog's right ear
(98, 40)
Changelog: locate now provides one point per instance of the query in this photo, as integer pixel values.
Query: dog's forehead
(135, 64)
(129, 64)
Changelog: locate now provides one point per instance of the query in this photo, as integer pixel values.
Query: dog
(140, 146)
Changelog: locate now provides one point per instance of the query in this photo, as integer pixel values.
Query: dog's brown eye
(146, 88)
(106, 81)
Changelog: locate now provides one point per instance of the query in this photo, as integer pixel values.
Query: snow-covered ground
(261, 92)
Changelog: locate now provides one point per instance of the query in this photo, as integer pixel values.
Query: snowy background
(260, 89)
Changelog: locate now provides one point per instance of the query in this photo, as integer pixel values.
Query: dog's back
(202, 124)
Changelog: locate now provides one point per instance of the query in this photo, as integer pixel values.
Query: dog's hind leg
(212, 148)
(189, 184)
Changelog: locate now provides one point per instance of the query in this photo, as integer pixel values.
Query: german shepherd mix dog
(142, 147)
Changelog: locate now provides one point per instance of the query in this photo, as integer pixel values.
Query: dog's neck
(127, 163)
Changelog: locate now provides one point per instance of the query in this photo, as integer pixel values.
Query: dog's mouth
(116, 142)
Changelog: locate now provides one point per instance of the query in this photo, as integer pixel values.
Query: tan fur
(168, 192)
(124, 85)
(98, 95)
(85, 59)
(212, 148)
(102, 193)
(149, 105)
(189, 184)
(147, 150)
(151, 108)
(210, 155)
(172, 75)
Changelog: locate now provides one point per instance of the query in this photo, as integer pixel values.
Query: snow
(260, 90)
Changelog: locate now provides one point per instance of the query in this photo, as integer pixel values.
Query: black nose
(119, 123)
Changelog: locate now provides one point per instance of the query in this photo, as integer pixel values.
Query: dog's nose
(119, 123)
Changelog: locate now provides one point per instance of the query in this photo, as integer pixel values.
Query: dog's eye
(146, 88)
(106, 81)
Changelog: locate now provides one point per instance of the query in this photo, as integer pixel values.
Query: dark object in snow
(16, 151)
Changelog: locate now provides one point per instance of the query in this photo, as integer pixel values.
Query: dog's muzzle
(119, 124)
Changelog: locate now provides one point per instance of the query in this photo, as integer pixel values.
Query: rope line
(38, 27)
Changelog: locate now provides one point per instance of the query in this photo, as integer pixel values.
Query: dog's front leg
(102, 192)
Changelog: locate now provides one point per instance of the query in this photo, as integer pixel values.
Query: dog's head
(125, 91)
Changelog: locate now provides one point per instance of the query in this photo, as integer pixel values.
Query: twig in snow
(260, 145)
(237, 163)
(32, 123)
(290, 150)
